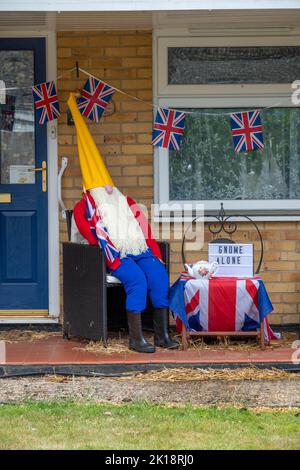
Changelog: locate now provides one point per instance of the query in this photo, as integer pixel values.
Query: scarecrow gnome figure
(106, 217)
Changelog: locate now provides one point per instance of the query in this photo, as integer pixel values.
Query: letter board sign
(234, 259)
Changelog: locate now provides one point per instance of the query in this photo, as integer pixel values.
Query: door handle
(43, 169)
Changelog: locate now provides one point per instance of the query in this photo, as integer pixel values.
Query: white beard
(123, 228)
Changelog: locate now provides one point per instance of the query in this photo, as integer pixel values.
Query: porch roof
(222, 21)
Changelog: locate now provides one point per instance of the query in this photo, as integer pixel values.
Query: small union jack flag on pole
(95, 96)
(46, 102)
(168, 128)
(101, 234)
(247, 131)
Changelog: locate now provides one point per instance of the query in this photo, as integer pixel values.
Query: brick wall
(124, 59)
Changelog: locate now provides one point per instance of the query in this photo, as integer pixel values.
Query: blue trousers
(141, 275)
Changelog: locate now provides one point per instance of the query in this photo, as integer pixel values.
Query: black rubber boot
(161, 330)
(137, 341)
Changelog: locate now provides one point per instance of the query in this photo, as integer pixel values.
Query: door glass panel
(17, 139)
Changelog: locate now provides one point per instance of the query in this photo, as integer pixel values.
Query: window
(207, 77)
(220, 65)
(207, 168)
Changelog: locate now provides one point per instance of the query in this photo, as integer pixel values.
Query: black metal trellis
(225, 225)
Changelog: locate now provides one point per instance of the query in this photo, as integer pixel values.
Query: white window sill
(235, 215)
(255, 218)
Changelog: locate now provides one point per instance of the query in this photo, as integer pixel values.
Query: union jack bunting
(101, 234)
(247, 131)
(46, 102)
(168, 128)
(95, 96)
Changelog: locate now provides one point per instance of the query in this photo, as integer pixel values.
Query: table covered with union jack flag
(221, 304)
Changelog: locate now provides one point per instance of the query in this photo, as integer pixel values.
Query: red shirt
(84, 226)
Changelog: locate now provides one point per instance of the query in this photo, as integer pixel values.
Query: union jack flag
(101, 234)
(95, 96)
(221, 304)
(46, 102)
(168, 128)
(247, 131)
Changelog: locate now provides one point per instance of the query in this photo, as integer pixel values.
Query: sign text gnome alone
(234, 259)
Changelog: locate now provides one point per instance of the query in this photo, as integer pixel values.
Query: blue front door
(23, 186)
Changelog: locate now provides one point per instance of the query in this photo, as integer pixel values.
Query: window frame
(218, 96)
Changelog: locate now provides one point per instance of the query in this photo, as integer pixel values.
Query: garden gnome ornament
(106, 217)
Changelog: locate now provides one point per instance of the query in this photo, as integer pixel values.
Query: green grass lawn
(143, 426)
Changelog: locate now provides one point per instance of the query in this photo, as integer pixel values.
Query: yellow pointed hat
(93, 169)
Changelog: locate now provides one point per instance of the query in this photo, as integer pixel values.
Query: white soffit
(142, 5)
